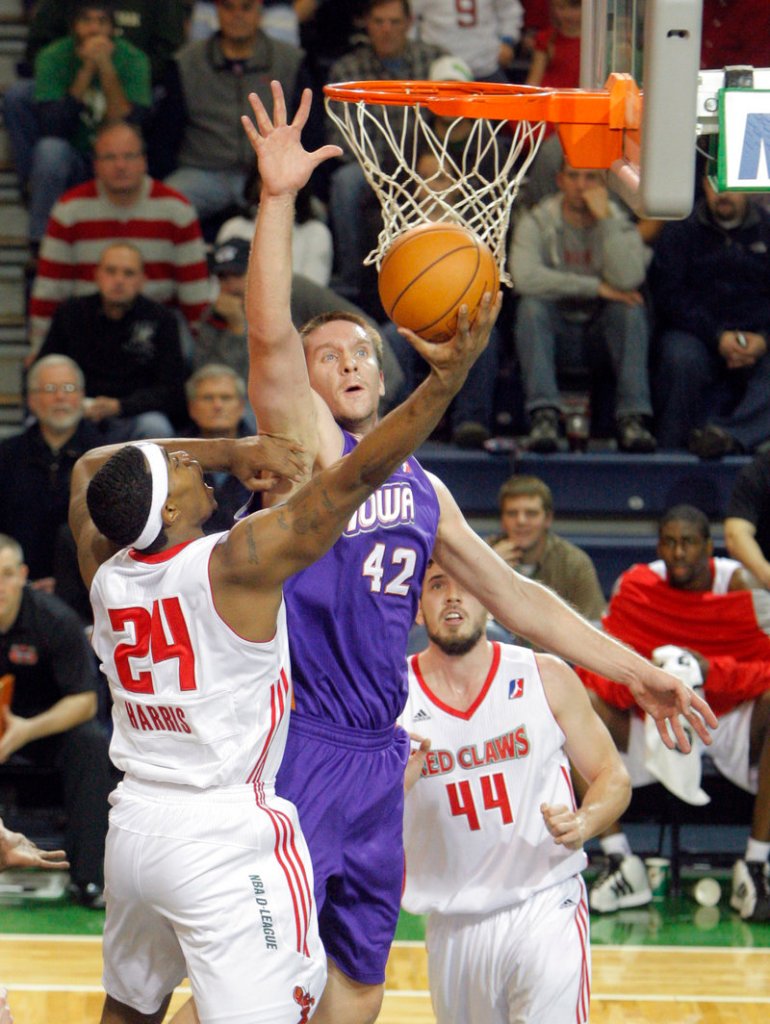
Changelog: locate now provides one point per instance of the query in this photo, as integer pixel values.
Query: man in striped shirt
(122, 203)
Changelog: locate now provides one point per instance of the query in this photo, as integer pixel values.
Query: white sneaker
(750, 894)
(622, 884)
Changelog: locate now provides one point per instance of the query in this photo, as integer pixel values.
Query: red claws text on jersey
(508, 747)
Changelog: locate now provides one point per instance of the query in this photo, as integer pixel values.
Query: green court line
(674, 922)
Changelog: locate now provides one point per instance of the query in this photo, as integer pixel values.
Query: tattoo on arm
(308, 510)
(251, 547)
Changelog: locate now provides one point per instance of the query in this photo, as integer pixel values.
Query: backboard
(658, 43)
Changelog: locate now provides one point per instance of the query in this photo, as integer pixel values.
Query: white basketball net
(479, 169)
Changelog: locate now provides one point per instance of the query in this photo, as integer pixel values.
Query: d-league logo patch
(23, 654)
(306, 1002)
(421, 716)
(515, 689)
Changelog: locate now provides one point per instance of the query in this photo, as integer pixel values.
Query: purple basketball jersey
(349, 614)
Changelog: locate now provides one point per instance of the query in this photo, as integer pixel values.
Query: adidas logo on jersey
(421, 716)
(515, 689)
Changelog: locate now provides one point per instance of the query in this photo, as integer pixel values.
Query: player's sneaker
(622, 884)
(751, 890)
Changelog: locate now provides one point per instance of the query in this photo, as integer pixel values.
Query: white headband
(159, 473)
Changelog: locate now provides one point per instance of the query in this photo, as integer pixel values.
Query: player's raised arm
(279, 387)
(529, 609)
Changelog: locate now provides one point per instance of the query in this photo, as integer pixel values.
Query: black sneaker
(470, 434)
(88, 894)
(622, 884)
(544, 435)
(751, 890)
(634, 437)
(712, 443)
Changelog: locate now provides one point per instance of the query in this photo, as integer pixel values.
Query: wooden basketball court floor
(57, 979)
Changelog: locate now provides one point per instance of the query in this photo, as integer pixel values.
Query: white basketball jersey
(723, 572)
(474, 836)
(470, 30)
(193, 703)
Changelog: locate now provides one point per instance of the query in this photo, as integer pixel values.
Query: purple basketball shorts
(348, 787)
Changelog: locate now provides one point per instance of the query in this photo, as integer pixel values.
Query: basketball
(429, 272)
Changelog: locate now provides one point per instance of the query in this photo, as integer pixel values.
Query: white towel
(679, 773)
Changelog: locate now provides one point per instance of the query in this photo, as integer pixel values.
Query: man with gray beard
(36, 464)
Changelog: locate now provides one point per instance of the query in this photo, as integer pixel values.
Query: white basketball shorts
(216, 885)
(528, 964)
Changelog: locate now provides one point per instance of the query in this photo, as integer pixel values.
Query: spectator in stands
(128, 349)
(735, 32)
(484, 34)
(312, 245)
(207, 93)
(222, 335)
(747, 523)
(578, 263)
(700, 604)
(121, 203)
(529, 545)
(156, 27)
(51, 722)
(385, 53)
(82, 81)
(153, 26)
(39, 462)
(216, 402)
(556, 49)
(281, 19)
(710, 281)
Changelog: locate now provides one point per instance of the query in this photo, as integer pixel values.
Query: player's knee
(348, 1002)
(115, 1012)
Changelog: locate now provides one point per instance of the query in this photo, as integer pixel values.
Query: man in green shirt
(83, 80)
(528, 545)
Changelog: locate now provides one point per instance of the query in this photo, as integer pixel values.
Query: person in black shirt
(128, 348)
(747, 524)
(51, 719)
(36, 464)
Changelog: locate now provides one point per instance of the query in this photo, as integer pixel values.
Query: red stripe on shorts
(581, 922)
(291, 864)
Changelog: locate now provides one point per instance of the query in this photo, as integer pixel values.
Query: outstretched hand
(665, 698)
(451, 360)
(260, 462)
(284, 163)
(16, 851)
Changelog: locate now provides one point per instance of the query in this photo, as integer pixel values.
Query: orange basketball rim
(591, 123)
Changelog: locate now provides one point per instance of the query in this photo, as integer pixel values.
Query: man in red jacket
(699, 603)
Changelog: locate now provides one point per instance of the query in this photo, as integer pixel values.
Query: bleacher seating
(606, 485)
(14, 251)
